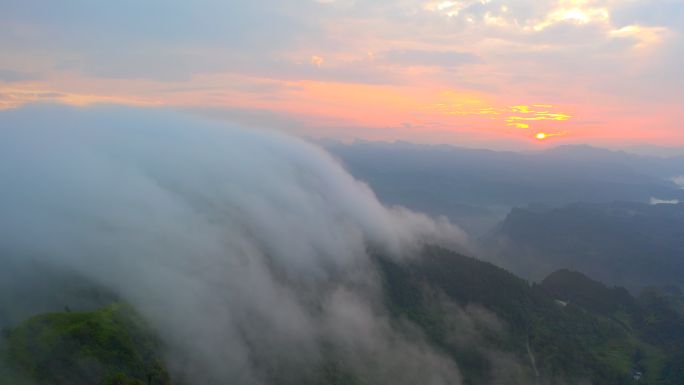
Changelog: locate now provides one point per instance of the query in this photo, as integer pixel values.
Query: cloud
(31, 95)
(50, 95)
(465, 328)
(249, 117)
(659, 13)
(266, 87)
(18, 98)
(246, 249)
(573, 57)
(317, 60)
(246, 26)
(272, 98)
(243, 85)
(160, 65)
(655, 201)
(11, 76)
(679, 180)
(568, 32)
(410, 58)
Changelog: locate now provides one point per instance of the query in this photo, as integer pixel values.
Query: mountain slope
(654, 317)
(504, 313)
(489, 321)
(621, 243)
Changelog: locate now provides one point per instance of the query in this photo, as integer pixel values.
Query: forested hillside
(601, 334)
(109, 346)
(489, 321)
(621, 243)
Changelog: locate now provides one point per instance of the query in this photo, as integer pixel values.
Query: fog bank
(246, 249)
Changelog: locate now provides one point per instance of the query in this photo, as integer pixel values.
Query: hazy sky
(473, 73)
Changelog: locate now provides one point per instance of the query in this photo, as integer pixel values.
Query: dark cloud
(11, 76)
(49, 95)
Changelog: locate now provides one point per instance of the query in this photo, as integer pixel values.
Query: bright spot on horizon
(541, 135)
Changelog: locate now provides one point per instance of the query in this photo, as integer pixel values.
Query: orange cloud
(519, 116)
(13, 98)
(317, 60)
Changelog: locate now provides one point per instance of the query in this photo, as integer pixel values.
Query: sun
(541, 135)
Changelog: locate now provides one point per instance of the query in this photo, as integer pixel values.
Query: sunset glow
(386, 192)
(478, 74)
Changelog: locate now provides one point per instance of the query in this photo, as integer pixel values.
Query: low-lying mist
(246, 249)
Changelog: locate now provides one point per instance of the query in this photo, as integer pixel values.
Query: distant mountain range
(663, 167)
(644, 150)
(647, 149)
(641, 150)
(477, 188)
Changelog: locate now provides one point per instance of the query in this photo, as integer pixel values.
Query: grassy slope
(84, 348)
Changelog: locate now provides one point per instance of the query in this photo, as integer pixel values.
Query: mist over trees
(237, 246)
(149, 247)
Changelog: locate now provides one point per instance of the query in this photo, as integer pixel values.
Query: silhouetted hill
(621, 243)
(646, 164)
(661, 152)
(575, 287)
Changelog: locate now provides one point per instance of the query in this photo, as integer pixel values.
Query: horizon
(641, 150)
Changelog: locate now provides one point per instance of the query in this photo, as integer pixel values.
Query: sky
(506, 75)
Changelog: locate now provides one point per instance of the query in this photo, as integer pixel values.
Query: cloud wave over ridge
(246, 249)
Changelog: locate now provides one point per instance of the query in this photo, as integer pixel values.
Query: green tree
(158, 374)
